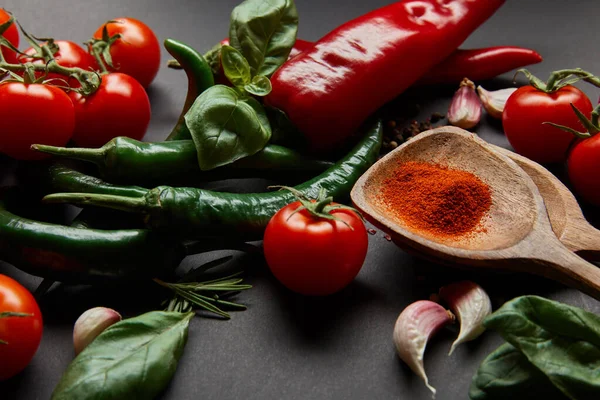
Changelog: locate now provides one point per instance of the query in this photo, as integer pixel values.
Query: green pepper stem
(128, 204)
(95, 156)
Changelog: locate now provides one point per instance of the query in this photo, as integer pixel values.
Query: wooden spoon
(517, 234)
(567, 220)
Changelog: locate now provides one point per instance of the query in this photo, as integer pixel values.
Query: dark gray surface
(286, 346)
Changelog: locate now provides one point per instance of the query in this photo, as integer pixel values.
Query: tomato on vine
(12, 35)
(21, 327)
(530, 106)
(33, 113)
(67, 54)
(315, 247)
(119, 107)
(583, 164)
(128, 46)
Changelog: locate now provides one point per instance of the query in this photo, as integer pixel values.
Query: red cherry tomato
(315, 256)
(21, 335)
(12, 35)
(137, 52)
(33, 113)
(528, 108)
(69, 55)
(583, 166)
(120, 107)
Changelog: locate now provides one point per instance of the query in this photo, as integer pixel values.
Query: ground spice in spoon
(435, 199)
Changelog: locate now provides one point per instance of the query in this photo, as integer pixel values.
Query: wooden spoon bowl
(516, 233)
(567, 219)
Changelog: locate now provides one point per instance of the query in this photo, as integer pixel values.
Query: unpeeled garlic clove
(494, 101)
(414, 327)
(92, 323)
(471, 304)
(465, 107)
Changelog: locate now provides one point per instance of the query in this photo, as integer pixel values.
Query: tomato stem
(592, 124)
(9, 314)
(320, 207)
(96, 50)
(89, 80)
(559, 79)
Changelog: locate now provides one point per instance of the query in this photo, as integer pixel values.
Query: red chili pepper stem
(592, 125)
(560, 79)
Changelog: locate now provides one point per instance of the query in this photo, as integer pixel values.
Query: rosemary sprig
(206, 295)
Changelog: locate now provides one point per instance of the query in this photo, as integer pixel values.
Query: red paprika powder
(435, 199)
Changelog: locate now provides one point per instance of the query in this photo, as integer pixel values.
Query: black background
(287, 346)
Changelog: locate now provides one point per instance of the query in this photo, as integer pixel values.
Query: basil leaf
(134, 358)
(235, 66)
(506, 374)
(264, 31)
(260, 86)
(561, 341)
(226, 126)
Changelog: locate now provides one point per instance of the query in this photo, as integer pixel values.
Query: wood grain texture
(567, 220)
(517, 233)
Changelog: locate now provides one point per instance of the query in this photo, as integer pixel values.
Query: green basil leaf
(560, 340)
(264, 31)
(235, 66)
(134, 358)
(260, 86)
(226, 126)
(506, 374)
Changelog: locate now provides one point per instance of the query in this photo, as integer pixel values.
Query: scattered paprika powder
(437, 200)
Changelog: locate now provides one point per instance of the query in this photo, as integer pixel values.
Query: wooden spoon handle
(562, 265)
(583, 239)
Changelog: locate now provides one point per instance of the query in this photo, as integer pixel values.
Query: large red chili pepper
(330, 89)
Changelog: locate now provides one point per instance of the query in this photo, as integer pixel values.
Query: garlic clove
(414, 327)
(494, 101)
(471, 305)
(465, 107)
(92, 323)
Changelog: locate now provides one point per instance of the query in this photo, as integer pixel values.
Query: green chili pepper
(76, 254)
(126, 160)
(63, 177)
(83, 255)
(192, 211)
(200, 78)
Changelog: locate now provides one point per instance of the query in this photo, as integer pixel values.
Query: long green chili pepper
(200, 78)
(193, 211)
(62, 177)
(83, 255)
(126, 160)
(75, 255)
